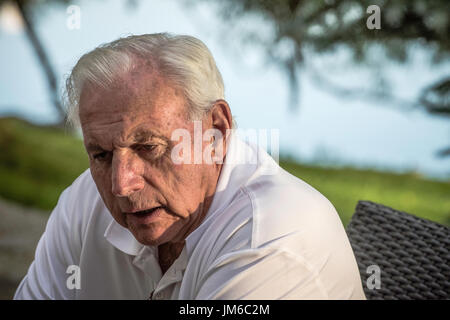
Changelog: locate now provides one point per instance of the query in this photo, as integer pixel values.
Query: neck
(168, 253)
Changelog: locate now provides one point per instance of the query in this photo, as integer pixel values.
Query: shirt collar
(122, 238)
(240, 164)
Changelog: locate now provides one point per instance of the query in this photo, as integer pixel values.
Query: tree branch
(43, 58)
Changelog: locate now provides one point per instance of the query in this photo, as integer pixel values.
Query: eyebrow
(142, 136)
(93, 147)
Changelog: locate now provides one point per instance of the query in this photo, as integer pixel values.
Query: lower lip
(145, 218)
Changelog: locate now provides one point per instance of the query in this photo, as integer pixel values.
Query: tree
(304, 28)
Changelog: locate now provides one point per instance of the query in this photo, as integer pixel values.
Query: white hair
(184, 60)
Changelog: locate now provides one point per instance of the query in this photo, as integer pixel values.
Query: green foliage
(325, 24)
(38, 163)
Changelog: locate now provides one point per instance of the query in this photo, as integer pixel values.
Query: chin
(148, 237)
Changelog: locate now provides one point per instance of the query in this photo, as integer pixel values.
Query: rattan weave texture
(413, 254)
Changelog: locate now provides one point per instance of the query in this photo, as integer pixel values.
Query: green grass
(38, 163)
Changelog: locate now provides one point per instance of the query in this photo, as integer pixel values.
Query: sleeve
(56, 251)
(261, 274)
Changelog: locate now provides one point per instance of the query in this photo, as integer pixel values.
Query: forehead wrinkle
(129, 90)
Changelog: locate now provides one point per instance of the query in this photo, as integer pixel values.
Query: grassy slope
(37, 163)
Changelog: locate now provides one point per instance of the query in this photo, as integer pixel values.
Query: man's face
(127, 133)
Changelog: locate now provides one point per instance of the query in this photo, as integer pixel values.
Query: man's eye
(101, 156)
(146, 147)
(151, 151)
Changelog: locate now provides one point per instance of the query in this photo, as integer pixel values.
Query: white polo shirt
(267, 235)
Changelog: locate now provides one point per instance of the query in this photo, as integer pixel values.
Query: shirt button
(159, 296)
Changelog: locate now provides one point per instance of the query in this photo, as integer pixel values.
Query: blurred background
(359, 93)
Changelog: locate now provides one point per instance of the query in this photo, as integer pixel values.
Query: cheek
(173, 184)
(187, 183)
(178, 178)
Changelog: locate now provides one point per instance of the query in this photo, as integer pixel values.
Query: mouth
(145, 216)
(139, 212)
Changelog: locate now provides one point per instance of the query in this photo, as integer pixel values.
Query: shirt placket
(147, 262)
(165, 287)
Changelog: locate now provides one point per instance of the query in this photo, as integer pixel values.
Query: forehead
(133, 101)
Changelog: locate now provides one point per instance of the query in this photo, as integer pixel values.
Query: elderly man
(140, 225)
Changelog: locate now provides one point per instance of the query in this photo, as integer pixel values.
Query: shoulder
(284, 204)
(292, 216)
(81, 197)
(79, 206)
(84, 185)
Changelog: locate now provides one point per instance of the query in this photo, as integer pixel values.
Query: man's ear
(221, 119)
(221, 116)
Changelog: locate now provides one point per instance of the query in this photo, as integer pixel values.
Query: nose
(125, 174)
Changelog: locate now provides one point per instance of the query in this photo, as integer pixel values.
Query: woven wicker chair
(413, 254)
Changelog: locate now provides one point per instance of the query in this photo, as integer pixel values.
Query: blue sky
(359, 132)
